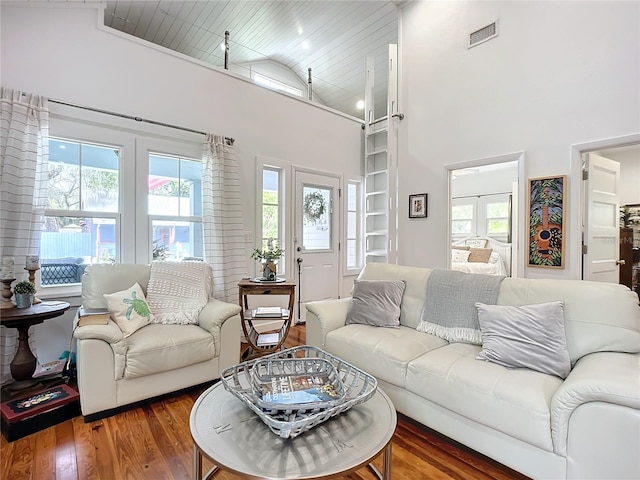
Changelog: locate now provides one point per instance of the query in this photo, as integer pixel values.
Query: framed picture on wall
(546, 221)
(418, 205)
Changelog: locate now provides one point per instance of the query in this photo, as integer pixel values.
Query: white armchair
(115, 371)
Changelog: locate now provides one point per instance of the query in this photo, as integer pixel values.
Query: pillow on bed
(460, 256)
(476, 242)
(480, 255)
(494, 258)
(460, 247)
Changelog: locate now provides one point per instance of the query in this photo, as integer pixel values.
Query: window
(175, 207)
(498, 219)
(272, 210)
(82, 217)
(275, 84)
(462, 220)
(353, 254)
(117, 195)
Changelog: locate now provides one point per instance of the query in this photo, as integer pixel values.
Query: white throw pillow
(528, 336)
(460, 256)
(129, 309)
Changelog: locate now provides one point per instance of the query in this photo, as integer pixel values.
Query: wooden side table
(24, 363)
(262, 344)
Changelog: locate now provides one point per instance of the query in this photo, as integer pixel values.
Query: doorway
(484, 215)
(316, 238)
(612, 181)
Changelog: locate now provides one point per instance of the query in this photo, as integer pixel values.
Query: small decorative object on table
(23, 292)
(358, 386)
(269, 256)
(32, 265)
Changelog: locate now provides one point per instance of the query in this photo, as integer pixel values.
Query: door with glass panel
(316, 239)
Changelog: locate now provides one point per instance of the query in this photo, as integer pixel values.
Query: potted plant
(24, 292)
(269, 257)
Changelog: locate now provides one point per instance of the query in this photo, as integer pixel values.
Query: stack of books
(93, 316)
(269, 312)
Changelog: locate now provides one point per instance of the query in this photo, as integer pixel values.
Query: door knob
(620, 262)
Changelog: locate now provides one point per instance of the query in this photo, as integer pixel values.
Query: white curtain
(222, 217)
(24, 157)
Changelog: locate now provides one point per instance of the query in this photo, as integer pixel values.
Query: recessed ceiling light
(360, 105)
(305, 45)
(222, 47)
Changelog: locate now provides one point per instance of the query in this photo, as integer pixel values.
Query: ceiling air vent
(484, 34)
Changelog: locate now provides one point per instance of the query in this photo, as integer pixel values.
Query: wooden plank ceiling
(338, 36)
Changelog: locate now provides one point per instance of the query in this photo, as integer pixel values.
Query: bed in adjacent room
(481, 255)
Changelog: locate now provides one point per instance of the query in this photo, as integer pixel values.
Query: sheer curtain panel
(24, 156)
(222, 217)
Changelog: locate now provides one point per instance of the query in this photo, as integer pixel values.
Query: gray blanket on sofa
(449, 310)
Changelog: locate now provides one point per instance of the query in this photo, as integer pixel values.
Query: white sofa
(585, 427)
(114, 371)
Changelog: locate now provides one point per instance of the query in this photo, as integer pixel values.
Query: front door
(601, 219)
(316, 238)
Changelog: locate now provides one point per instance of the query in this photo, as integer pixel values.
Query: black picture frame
(418, 205)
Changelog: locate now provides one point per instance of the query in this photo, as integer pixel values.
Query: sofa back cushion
(598, 316)
(109, 278)
(415, 279)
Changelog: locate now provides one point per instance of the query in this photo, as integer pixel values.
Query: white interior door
(601, 222)
(316, 238)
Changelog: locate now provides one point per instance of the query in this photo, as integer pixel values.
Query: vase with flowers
(268, 256)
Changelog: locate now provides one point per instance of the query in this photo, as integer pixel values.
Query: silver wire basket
(293, 420)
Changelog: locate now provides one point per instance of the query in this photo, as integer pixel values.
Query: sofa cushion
(129, 309)
(515, 402)
(159, 348)
(382, 352)
(415, 279)
(376, 303)
(104, 278)
(598, 316)
(530, 336)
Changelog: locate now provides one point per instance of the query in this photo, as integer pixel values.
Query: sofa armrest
(609, 377)
(214, 314)
(110, 334)
(324, 316)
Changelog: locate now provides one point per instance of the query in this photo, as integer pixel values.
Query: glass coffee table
(228, 433)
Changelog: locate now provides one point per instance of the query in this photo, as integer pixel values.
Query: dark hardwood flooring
(152, 441)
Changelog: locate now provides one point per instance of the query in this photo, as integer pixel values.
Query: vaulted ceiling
(333, 38)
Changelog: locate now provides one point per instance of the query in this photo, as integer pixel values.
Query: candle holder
(32, 279)
(7, 293)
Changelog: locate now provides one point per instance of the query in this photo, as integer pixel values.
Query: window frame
(359, 237)
(133, 225)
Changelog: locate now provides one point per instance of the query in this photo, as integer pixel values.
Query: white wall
(558, 74)
(629, 159)
(63, 52)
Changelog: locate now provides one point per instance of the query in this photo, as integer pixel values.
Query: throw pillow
(476, 242)
(480, 255)
(178, 291)
(129, 309)
(376, 303)
(528, 336)
(460, 247)
(459, 255)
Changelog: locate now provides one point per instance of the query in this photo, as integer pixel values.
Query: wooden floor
(152, 441)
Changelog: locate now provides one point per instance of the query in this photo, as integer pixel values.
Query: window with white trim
(273, 211)
(353, 253)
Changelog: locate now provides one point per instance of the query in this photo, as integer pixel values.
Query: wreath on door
(313, 207)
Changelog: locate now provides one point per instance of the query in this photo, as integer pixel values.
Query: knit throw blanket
(449, 310)
(178, 291)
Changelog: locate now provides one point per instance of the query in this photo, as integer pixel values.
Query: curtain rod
(137, 119)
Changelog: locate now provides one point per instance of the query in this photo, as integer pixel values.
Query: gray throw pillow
(376, 303)
(528, 336)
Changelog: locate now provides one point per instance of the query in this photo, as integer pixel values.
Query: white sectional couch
(586, 426)
(115, 371)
